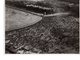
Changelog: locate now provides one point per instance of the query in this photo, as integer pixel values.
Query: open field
(16, 19)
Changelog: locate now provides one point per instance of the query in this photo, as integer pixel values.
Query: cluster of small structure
(37, 7)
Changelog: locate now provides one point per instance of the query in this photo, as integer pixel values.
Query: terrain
(58, 34)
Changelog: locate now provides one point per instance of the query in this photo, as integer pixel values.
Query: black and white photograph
(41, 26)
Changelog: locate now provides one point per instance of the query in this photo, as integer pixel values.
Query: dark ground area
(58, 34)
(22, 5)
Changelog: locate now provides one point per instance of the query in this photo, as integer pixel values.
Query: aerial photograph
(41, 26)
